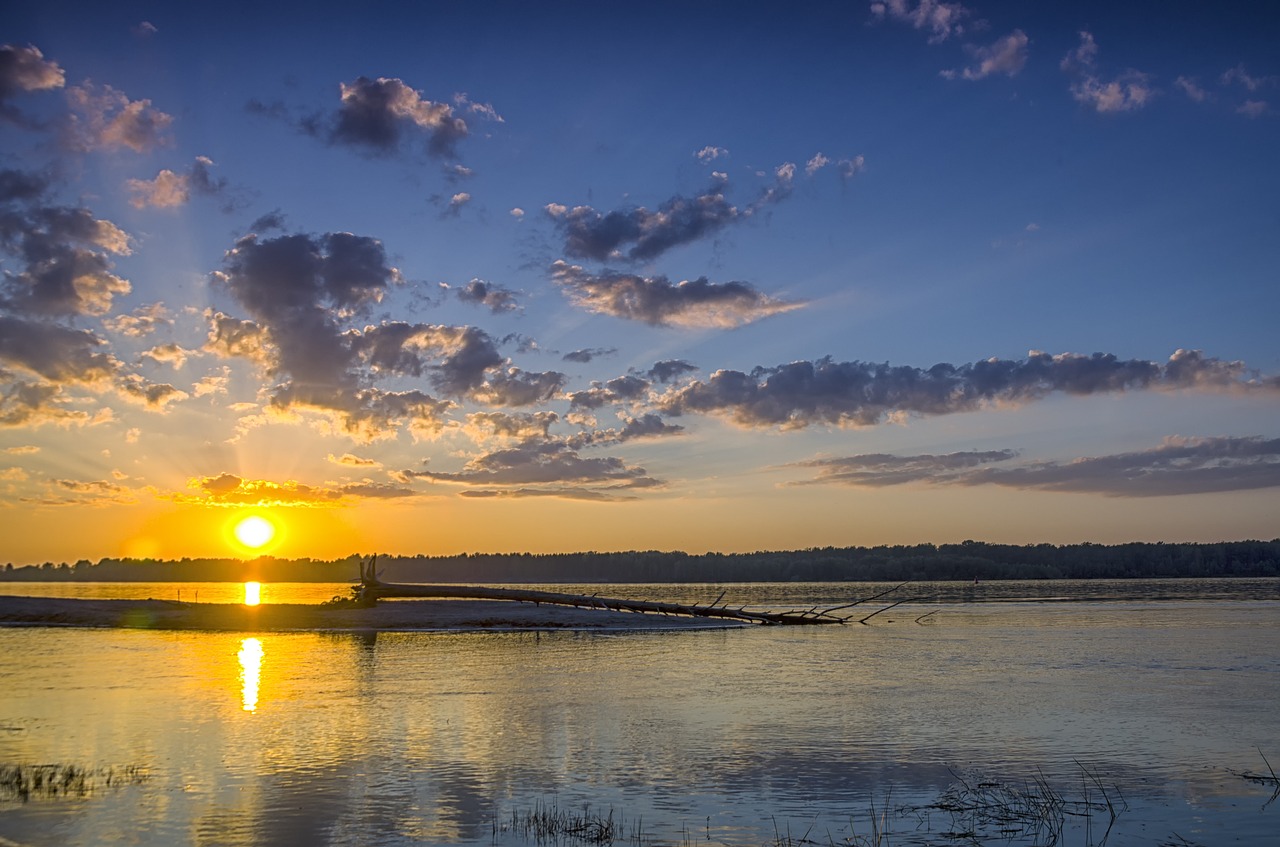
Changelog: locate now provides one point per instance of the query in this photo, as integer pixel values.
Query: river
(1121, 712)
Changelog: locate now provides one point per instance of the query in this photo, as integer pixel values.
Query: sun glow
(252, 593)
(255, 532)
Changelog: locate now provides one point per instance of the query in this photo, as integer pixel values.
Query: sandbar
(386, 616)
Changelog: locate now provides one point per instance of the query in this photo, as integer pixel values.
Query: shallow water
(721, 737)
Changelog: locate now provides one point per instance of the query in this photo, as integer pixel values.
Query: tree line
(968, 560)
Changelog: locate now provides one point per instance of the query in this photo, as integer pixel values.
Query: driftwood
(371, 589)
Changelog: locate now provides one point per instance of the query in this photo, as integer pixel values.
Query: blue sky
(593, 276)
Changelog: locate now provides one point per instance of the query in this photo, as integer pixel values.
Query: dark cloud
(378, 115)
(543, 463)
(586, 354)
(646, 235)
(154, 395)
(273, 220)
(56, 353)
(1177, 466)
(523, 426)
(464, 353)
(643, 427)
(590, 234)
(659, 302)
(24, 69)
(493, 297)
(21, 187)
(31, 404)
(64, 252)
(516, 387)
(862, 394)
(622, 389)
(669, 369)
(294, 285)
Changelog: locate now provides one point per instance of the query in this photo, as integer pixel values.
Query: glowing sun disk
(255, 531)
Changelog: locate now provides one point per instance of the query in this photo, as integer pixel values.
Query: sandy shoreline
(387, 616)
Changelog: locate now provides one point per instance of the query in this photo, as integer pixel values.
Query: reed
(27, 782)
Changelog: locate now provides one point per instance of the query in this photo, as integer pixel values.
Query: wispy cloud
(1178, 466)
(1127, 92)
(658, 301)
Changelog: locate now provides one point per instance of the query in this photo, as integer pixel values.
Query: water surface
(721, 737)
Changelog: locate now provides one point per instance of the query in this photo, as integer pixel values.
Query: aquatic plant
(25, 782)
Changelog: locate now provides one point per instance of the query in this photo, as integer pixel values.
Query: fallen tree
(371, 589)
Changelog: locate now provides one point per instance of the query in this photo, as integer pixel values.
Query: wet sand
(387, 616)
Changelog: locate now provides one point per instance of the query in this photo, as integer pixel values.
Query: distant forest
(921, 562)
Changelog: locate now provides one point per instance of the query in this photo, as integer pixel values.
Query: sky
(706, 276)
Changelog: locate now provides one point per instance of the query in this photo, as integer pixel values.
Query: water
(738, 737)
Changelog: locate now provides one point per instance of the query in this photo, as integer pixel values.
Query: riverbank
(387, 616)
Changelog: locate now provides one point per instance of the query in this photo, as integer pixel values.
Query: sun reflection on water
(252, 593)
(250, 672)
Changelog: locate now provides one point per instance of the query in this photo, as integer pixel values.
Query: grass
(27, 782)
(974, 810)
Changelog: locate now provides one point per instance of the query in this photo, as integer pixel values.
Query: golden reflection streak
(252, 593)
(250, 672)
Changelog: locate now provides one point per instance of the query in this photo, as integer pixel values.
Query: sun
(255, 531)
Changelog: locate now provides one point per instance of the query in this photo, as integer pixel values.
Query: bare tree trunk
(371, 589)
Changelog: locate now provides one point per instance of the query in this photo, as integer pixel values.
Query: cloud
(493, 297)
(22, 70)
(1007, 55)
(586, 355)
(874, 470)
(941, 19)
(1253, 108)
(1239, 76)
(64, 251)
(848, 168)
(817, 163)
(516, 387)
(801, 394)
(156, 396)
(348, 460)
(171, 354)
(517, 213)
(659, 302)
(56, 353)
(379, 115)
(484, 110)
(709, 154)
(227, 489)
(646, 426)
(212, 384)
(145, 29)
(679, 220)
(1129, 91)
(302, 289)
(622, 389)
(106, 119)
(523, 426)
(553, 467)
(669, 369)
(1177, 466)
(169, 190)
(141, 322)
(1192, 89)
(30, 405)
